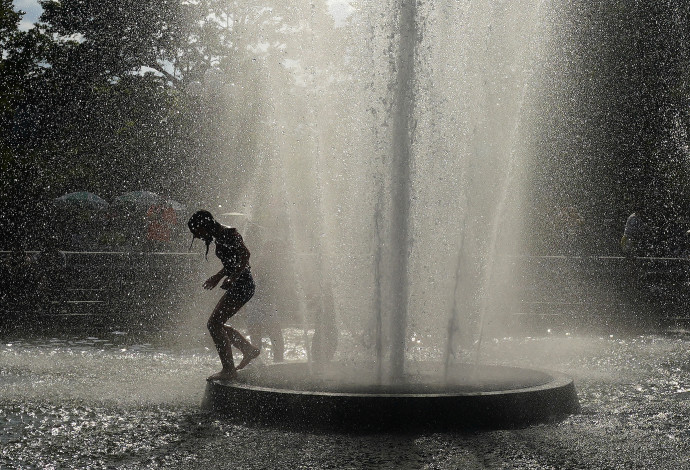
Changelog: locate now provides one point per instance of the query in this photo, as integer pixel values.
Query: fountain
(414, 217)
(310, 182)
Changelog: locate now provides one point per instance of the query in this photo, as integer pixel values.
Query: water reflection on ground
(125, 399)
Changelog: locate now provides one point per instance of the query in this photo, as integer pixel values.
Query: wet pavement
(122, 400)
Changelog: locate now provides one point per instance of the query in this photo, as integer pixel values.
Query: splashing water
(391, 165)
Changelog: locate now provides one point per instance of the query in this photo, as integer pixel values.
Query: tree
(103, 114)
(133, 94)
(22, 53)
(118, 37)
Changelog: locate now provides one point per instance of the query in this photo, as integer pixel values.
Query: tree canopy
(114, 96)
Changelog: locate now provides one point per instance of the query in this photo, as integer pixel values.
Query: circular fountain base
(340, 396)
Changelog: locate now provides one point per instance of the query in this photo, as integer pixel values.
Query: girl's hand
(212, 282)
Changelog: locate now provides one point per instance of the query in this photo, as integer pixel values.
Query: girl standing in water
(239, 287)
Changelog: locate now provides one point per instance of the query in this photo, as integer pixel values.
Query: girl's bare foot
(225, 374)
(248, 356)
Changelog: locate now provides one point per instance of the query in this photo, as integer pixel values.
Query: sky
(33, 11)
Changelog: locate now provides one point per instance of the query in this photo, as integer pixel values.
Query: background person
(634, 240)
(262, 324)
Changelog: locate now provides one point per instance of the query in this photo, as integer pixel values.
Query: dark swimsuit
(229, 247)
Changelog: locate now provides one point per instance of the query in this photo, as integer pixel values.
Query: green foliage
(22, 53)
(117, 37)
(92, 98)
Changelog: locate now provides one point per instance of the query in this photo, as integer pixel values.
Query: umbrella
(243, 216)
(81, 200)
(177, 207)
(140, 199)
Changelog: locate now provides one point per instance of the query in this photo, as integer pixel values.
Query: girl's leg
(237, 340)
(231, 302)
(216, 327)
(249, 352)
(255, 334)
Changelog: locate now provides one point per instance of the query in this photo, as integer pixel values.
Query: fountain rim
(551, 396)
(556, 380)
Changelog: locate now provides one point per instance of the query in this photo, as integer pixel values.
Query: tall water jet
(403, 115)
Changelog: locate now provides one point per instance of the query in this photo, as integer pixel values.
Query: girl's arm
(213, 281)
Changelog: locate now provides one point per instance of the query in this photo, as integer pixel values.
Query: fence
(99, 284)
(595, 290)
(556, 290)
